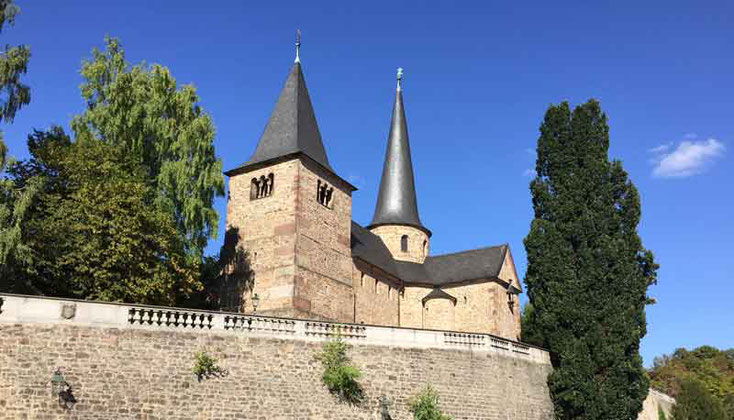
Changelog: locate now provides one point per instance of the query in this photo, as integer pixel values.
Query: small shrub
(340, 376)
(424, 406)
(206, 367)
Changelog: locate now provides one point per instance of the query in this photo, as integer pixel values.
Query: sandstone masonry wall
(323, 260)
(375, 297)
(480, 307)
(411, 306)
(266, 228)
(143, 371)
(418, 242)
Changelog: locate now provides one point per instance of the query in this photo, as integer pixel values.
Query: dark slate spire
(292, 127)
(396, 202)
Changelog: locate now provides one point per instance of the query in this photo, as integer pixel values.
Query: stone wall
(508, 321)
(656, 401)
(323, 251)
(418, 242)
(266, 228)
(480, 307)
(376, 298)
(123, 365)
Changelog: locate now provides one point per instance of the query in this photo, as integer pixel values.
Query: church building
(292, 213)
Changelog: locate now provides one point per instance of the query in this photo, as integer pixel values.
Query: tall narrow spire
(396, 202)
(292, 127)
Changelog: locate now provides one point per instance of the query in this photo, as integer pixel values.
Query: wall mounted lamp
(62, 388)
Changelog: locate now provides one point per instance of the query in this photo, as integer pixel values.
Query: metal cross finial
(298, 46)
(400, 78)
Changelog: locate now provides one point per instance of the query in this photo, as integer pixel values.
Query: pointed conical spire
(292, 127)
(396, 201)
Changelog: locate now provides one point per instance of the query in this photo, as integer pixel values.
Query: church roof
(467, 265)
(440, 270)
(396, 202)
(438, 294)
(292, 127)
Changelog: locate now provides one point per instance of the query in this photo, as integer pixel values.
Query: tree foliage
(588, 272)
(529, 332)
(708, 365)
(95, 230)
(425, 405)
(13, 96)
(142, 110)
(13, 64)
(225, 278)
(695, 402)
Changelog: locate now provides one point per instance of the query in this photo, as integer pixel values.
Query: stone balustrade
(44, 310)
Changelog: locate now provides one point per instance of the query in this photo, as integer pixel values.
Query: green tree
(424, 405)
(710, 366)
(13, 96)
(695, 402)
(142, 110)
(96, 230)
(529, 333)
(13, 64)
(588, 273)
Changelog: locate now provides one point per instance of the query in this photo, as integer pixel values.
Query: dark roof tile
(440, 270)
(292, 127)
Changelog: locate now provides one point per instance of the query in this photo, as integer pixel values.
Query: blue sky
(478, 78)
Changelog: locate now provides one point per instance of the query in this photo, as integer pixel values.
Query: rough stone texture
(376, 296)
(323, 251)
(411, 306)
(266, 228)
(418, 242)
(299, 249)
(508, 323)
(480, 307)
(139, 374)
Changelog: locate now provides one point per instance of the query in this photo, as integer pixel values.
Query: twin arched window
(261, 187)
(324, 194)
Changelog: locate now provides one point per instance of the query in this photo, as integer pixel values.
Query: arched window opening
(425, 248)
(324, 194)
(404, 243)
(262, 187)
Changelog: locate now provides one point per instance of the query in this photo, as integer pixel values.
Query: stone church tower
(293, 214)
(396, 219)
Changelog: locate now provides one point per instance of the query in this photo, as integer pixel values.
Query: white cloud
(689, 158)
(661, 149)
(529, 173)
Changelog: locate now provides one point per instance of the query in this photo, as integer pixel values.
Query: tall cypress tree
(588, 272)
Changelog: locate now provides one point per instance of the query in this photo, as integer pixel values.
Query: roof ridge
(469, 250)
